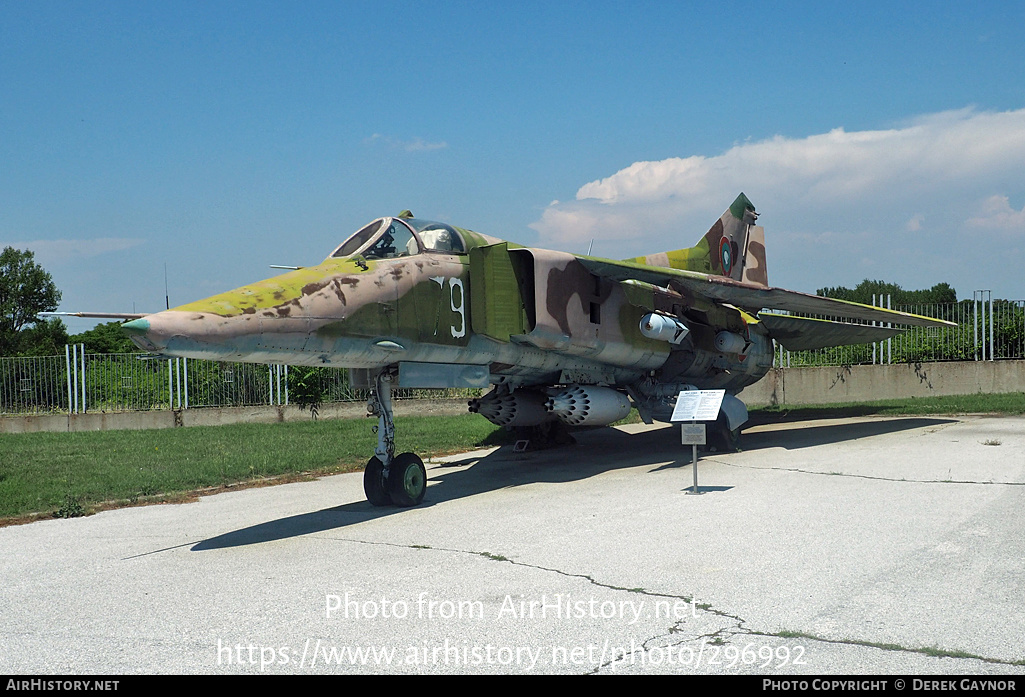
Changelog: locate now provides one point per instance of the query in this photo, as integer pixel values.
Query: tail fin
(733, 247)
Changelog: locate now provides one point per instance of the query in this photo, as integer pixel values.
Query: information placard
(693, 434)
(698, 405)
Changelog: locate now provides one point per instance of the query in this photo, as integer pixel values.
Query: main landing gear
(389, 478)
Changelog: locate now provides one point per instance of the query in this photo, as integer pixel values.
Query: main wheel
(373, 483)
(407, 480)
(721, 438)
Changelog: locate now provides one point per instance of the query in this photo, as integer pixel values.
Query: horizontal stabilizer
(806, 333)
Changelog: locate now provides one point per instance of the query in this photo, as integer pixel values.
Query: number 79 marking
(457, 301)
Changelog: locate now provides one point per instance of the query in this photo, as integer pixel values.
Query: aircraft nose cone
(137, 327)
(141, 334)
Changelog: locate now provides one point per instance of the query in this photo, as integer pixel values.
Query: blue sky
(877, 140)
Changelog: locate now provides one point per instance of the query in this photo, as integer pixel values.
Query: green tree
(105, 338)
(26, 289)
(44, 338)
(863, 292)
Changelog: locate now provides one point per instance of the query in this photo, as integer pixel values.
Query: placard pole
(694, 461)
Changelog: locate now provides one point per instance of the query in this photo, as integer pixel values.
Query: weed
(71, 508)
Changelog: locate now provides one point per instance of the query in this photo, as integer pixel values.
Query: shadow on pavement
(597, 451)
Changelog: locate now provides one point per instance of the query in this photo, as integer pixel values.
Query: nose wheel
(388, 478)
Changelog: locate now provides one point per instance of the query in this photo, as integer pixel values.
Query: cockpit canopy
(389, 238)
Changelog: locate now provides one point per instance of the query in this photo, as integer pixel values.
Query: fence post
(982, 296)
(889, 341)
(67, 365)
(990, 325)
(74, 370)
(185, 369)
(874, 343)
(81, 348)
(975, 324)
(979, 296)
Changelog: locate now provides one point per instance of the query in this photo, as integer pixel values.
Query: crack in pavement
(721, 636)
(933, 651)
(860, 476)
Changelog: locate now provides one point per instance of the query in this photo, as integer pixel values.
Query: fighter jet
(561, 339)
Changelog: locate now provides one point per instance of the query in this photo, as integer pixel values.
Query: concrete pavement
(867, 545)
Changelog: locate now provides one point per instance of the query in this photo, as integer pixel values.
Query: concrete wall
(866, 383)
(214, 416)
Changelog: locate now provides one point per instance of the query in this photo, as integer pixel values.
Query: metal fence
(30, 385)
(987, 329)
(79, 382)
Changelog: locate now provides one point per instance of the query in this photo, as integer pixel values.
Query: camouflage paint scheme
(530, 319)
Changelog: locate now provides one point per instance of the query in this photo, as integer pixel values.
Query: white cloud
(55, 252)
(997, 214)
(413, 145)
(862, 187)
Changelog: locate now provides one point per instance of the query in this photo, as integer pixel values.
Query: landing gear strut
(390, 478)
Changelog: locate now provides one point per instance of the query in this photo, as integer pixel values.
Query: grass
(71, 474)
(1011, 403)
